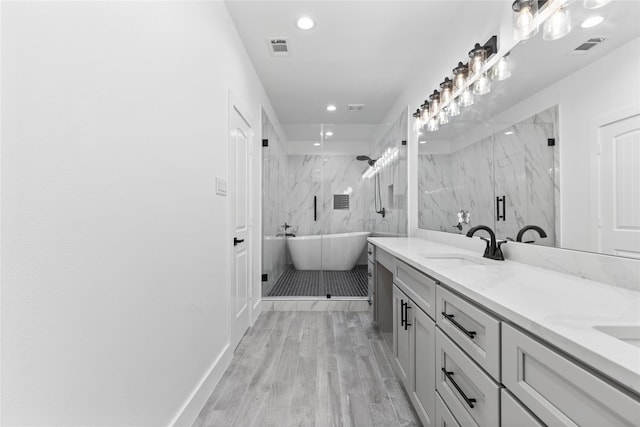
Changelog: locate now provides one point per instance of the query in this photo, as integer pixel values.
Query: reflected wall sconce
(528, 15)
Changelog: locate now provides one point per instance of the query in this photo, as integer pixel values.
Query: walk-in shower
(314, 184)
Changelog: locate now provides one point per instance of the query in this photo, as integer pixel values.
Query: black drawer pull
(449, 317)
(449, 376)
(406, 316)
(402, 312)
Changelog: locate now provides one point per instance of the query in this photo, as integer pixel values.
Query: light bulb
(525, 18)
(466, 98)
(482, 86)
(454, 108)
(432, 124)
(442, 117)
(557, 26)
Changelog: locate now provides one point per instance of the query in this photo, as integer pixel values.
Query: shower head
(368, 159)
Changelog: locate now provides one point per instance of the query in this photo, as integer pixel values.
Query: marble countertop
(558, 308)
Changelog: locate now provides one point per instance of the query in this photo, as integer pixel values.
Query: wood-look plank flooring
(300, 368)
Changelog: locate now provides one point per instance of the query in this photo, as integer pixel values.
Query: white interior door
(239, 213)
(620, 187)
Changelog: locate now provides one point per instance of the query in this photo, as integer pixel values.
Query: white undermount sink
(627, 333)
(453, 260)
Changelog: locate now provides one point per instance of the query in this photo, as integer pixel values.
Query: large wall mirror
(555, 146)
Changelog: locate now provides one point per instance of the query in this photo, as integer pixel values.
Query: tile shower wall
(524, 173)
(462, 180)
(274, 212)
(519, 166)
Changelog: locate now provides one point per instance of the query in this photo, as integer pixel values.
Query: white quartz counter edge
(558, 308)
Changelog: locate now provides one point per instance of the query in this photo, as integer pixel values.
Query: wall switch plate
(221, 186)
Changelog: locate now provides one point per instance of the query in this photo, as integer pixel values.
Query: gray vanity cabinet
(558, 391)
(414, 339)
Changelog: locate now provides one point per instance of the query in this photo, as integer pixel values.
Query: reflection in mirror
(582, 89)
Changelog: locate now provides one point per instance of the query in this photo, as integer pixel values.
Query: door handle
(402, 312)
(450, 318)
(449, 375)
(406, 316)
(237, 241)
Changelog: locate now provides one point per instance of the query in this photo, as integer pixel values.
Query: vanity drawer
(444, 417)
(473, 329)
(418, 286)
(371, 252)
(513, 414)
(558, 391)
(471, 395)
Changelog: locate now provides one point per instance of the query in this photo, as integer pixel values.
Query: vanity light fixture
(523, 13)
(595, 4)
(557, 26)
(331, 107)
(458, 92)
(592, 21)
(305, 23)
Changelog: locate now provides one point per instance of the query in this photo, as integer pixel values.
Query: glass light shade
(466, 98)
(434, 105)
(482, 86)
(454, 108)
(432, 124)
(442, 117)
(557, 26)
(460, 75)
(478, 56)
(523, 13)
(502, 69)
(445, 93)
(595, 4)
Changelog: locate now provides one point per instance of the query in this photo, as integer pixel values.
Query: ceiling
(359, 52)
(369, 52)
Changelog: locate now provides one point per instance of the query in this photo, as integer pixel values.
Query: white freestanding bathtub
(327, 251)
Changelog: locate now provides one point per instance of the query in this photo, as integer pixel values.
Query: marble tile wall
(462, 180)
(274, 200)
(518, 165)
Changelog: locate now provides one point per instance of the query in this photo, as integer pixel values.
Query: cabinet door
(423, 353)
(512, 414)
(401, 342)
(558, 391)
(444, 417)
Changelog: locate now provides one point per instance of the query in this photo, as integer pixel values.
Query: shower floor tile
(308, 283)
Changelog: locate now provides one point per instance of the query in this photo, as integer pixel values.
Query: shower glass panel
(320, 203)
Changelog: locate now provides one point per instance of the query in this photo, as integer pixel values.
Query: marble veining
(559, 308)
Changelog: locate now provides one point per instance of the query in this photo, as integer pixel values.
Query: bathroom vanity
(490, 343)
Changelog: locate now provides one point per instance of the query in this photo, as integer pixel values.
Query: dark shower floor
(307, 283)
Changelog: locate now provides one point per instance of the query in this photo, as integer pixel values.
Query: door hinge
(265, 277)
(404, 142)
(551, 142)
(265, 142)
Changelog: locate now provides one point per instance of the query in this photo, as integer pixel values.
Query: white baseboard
(187, 415)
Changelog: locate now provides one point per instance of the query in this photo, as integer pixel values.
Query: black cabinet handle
(449, 317)
(237, 241)
(315, 208)
(449, 376)
(402, 313)
(502, 200)
(406, 316)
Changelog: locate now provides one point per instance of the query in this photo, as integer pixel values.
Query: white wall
(114, 267)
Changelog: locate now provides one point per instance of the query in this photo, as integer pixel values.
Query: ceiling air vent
(278, 47)
(355, 107)
(589, 44)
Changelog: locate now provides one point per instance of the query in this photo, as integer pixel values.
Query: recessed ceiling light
(592, 21)
(317, 144)
(305, 23)
(331, 107)
(509, 132)
(423, 142)
(329, 133)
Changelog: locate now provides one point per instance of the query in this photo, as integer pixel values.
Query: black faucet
(527, 228)
(492, 251)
